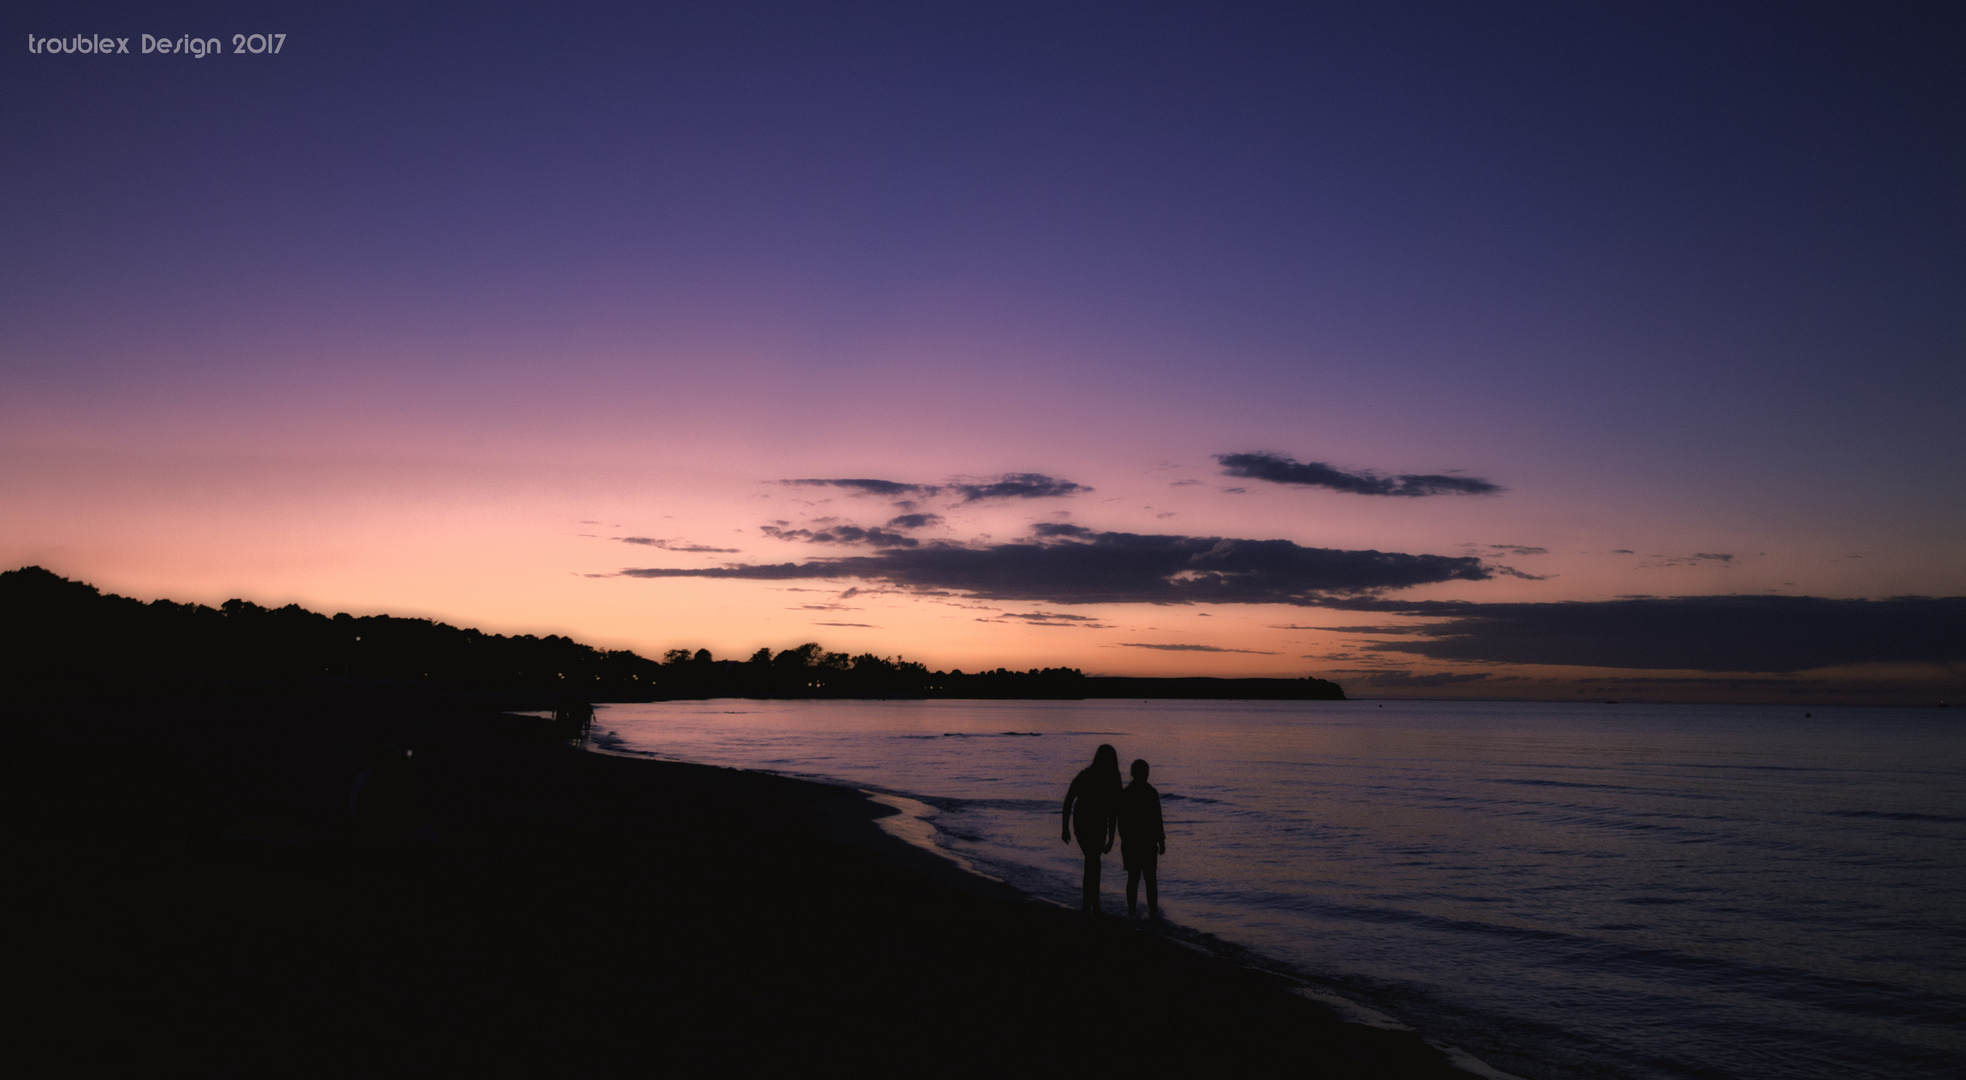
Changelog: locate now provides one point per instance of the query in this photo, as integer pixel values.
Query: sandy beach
(198, 905)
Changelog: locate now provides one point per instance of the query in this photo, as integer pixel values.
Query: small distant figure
(1092, 809)
(571, 719)
(1143, 840)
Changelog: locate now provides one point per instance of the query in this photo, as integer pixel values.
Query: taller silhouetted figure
(1143, 840)
(1092, 809)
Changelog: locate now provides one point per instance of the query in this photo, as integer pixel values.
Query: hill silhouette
(61, 633)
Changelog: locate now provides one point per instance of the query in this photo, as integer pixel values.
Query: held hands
(1161, 848)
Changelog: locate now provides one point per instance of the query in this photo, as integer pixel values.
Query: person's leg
(1153, 893)
(1132, 892)
(1089, 902)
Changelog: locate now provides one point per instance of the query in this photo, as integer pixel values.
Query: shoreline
(911, 823)
(585, 913)
(919, 832)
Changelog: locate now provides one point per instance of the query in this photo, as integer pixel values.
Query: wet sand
(197, 905)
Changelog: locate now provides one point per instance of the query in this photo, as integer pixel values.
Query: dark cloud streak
(1190, 648)
(872, 487)
(1020, 486)
(1693, 633)
(842, 534)
(1007, 486)
(1069, 564)
(1396, 679)
(1278, 469)
(676, 545)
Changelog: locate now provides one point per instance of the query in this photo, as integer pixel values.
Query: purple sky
(444, 308)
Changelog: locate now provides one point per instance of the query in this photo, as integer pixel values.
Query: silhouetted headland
(61, 633)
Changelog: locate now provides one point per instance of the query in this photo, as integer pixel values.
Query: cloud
(861, 625)
(914, 521)
(1068, 564)
(871, 487)
(1394, 630)
(1520, 549)
(1510, 571)
(1698, 558)
(1278, 469)
(842, 534)
(1048, 618)
(1020, 486)
(1407, 678)
(1190, 648)
(1007, 486)
(1694, 633)
(675, 545)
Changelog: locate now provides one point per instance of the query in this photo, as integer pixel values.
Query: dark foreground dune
(195, 906)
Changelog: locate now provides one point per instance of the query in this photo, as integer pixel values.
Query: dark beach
(197, 905)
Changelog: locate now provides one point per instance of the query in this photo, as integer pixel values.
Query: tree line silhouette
(61, 631)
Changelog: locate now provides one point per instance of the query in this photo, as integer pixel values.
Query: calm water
(1562, 890)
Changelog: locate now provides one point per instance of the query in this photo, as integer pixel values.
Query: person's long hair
(1105, 768)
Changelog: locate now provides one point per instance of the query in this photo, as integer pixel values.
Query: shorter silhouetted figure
(1092, 809)
(1143, 840)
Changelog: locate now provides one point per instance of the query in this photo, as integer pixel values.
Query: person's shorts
(1138, 856)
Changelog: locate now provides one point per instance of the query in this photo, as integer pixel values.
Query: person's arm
(1116, 797)
(1160, 829)
(1071, 794)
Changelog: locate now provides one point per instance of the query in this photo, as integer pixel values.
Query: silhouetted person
(1092, 808)
(1143, 840)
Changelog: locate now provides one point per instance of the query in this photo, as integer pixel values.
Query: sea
(1548, 890)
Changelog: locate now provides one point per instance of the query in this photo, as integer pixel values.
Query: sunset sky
(1406, 345)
